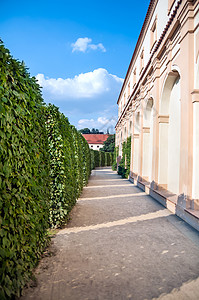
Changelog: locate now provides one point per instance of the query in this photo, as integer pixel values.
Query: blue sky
(78, 50)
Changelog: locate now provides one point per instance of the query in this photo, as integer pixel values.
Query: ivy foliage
(69, 165)
(109, 144)
(44, 164)
(24, 175)
(124, 166)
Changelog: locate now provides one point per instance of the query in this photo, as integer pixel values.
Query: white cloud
(89, 85)
(84, 44)
(102, 123)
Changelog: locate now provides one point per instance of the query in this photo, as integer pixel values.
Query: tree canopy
(92, 131)
(109, 144)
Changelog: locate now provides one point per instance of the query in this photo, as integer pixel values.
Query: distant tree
(85, 130)
(109, 144)
(96, 131)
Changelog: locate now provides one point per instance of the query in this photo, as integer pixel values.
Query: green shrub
(114, 158)
(92, 159)
(24, 175)
(102, 158)
(97, 158)
(126, 159)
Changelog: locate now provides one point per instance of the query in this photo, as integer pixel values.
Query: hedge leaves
(44, 164)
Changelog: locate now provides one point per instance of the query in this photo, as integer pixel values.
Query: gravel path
(120, 244)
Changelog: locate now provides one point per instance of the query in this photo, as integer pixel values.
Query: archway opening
(147, 140)
(169, 134)
(136, 143)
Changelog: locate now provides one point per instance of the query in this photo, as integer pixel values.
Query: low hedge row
(44, 164)
(101, 158)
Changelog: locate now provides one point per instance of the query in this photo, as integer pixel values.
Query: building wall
(161, 99)
(95, 146)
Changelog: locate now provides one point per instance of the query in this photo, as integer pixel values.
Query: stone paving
(120, 244)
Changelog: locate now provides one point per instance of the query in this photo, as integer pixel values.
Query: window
(141, 60)
(97, 146)
(153, 34)
(91, 146)
(129, 89)
(134, 77)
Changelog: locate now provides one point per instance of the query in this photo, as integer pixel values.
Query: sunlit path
(120, 244)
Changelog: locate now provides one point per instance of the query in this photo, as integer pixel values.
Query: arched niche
(137, 123)
(136, 143)
(125, 133)
(169, 133)
(130, 128)
(195, 186)
(147, 139)
(197, 74)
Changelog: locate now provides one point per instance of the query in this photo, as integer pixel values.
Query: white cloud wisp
(85, 44)
(102, 123)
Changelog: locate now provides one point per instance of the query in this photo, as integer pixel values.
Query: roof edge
(151, 5)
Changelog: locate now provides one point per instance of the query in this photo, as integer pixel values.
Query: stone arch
(147, 139)
(169, 133)
(137, 123)
(136, 143)
(125, 133)
(130, 128)
(195, 186)
(120, 144)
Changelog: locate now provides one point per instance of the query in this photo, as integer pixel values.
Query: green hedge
(101, 158)
(124, 166)
(44, 165)
(115, 155)
(24, 175)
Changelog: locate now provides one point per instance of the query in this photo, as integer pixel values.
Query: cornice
(152, 4)
(151, 8)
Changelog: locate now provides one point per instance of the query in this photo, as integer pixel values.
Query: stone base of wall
(180, 205)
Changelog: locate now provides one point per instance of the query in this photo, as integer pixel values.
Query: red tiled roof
(96, 138)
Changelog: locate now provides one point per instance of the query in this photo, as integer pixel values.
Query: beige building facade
(158, 105)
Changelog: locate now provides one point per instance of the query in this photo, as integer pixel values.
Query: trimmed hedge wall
(24, 175)
(69, 165)
(44, 165)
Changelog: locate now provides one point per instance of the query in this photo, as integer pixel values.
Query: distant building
(95, 141)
